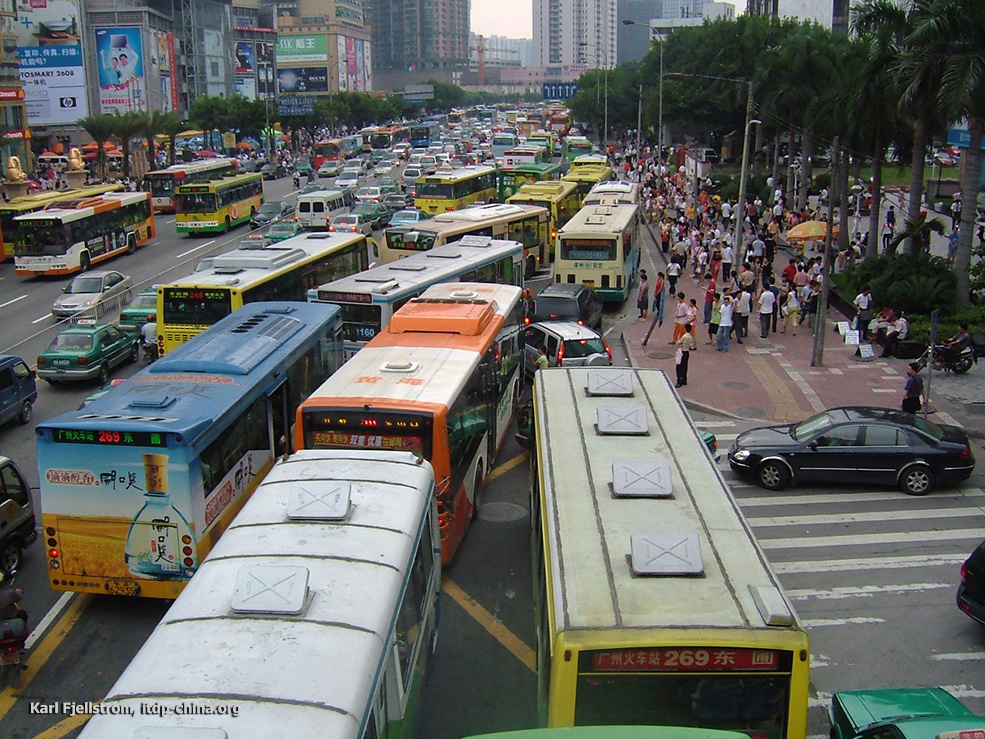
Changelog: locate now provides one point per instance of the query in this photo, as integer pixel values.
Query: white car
(352, 222)
(402, 150)
(369, 195)
(410, 176)
(429, 164)
(347, 181)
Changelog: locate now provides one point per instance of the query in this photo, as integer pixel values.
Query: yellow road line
(65, 726)
(491, 624)
(507, 466)
(784, 403)
(42, 652)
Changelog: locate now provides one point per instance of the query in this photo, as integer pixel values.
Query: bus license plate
(123, 587)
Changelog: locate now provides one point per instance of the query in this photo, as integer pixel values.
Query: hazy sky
(514, 18)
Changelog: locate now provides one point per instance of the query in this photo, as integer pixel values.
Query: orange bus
(442, 380)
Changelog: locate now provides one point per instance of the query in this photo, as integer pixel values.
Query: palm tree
(153, 127)
(170, 126)
(100, 128)
(126, 126)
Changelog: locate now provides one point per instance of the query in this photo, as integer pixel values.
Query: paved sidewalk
(772, 379)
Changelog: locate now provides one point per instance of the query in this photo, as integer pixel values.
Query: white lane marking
(43, 318)
(170, 222)
(813, 623)
(192, 251)
(11, 302)
(865, 591)
(885, 390)
(959, 656)
(869, 517)
(805, 388)
(821, 700)
(714, 424)
(846, 497)
(903, 537)
(49, 617)
(871, 563)
(819, 660)
(964, 691)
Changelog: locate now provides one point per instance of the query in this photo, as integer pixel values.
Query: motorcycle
(13, 636)
(150, 351)
(943, 358)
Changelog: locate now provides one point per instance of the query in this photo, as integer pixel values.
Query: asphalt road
(872, 572)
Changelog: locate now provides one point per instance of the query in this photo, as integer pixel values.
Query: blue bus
(138, 486)
(425, 132)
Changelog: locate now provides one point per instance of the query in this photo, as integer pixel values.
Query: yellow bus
(285, 270)
(9, 230)
(527, 224)
(545, 139)
(586, 177)
(218, 205)
(600, 247)
(654, 603)
(588, 161)
(560, 198)
(453, 189)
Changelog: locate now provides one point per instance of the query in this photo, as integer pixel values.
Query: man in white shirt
(726, 261)
(766, 302)
(724, 335)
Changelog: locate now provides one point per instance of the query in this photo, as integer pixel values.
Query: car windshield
(574, 348)
(282, 228)
(144, 301)
(814, 424)
(72, 342)
(270, 209)
(85, 285)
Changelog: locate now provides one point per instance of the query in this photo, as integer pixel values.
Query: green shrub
(821, 181)
(973, 315)
(915, 284)
(754, 186)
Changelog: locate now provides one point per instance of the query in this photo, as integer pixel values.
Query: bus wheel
(84, 262)
(530, 268)
(131, 243)
(479, 477)
(229, 225)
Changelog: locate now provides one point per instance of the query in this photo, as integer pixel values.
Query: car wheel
(134, 353)
(10, 557)
(27, 411)
(917, 480)
(103, 376)
(84, 261)
(773, 475)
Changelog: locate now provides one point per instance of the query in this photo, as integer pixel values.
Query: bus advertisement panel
(218, 205)
(138, 485)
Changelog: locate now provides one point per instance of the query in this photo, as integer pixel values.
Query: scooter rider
(961, 340)
(148, 334)
(9, 604)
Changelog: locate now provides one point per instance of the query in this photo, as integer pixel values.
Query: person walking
(790, 311)
(680, 318)
(743, 309)
(710, 291)
(725, 324)
(685, 345)
(673, 272)
(726, 261)
(541, 362)
(912, 390)
(766, 302)
(659, 299)
(716, 317)
(642, 295)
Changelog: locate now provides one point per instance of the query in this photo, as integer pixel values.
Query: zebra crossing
(872, 573)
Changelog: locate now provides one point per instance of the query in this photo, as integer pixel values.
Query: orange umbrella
(810, 231)
(91, 146)
(244, 145)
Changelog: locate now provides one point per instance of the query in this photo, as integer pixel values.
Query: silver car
(569, 344)
(98, 291)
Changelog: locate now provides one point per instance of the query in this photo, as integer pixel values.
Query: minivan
(316, 209)
(18, 389)
(562, 301)
(17, 511)
(569, 344)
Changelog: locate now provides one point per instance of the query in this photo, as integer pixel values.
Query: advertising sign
(247, 87)
(119, 52)
(244, 57)
(355, 70)
(293, 80)
(293, 105)
(54, 84)
(302, 49)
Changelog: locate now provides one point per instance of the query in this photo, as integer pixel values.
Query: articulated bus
(512, 177)
(250, 273)
(614, 192)
(600, 247)
(218, 205)
(524, 223)
(587, 177)
(575, 146)
(384, 138)
(369, 299)
(560, 198)
(73, 233)
(441, 381)
(19, 206)
(454, 189)
(162, 183)
(138, 485)
(654, 604)
(314, 617)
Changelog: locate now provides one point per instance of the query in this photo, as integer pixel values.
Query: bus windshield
(599, 249)
(198, 203)
(196, 307)
(37, 240)
(160, 184)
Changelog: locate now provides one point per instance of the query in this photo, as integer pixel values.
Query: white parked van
(316, 209)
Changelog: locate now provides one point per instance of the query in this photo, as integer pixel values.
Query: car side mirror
(812, 446)
(65, 289)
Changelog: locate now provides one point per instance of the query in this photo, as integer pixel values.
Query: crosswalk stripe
(959, 656)
(869, 563)
(715, 424)
(845, 497)
(813, 623)
(902, 537)
(867, 517)
(865, 591)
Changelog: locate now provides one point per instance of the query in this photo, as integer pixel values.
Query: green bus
(218, 205)
(513, 178)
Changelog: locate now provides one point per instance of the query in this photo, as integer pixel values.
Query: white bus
(600, 247)
(653, 602)
(368, 299)
(316, 209)
(314, 616)
(162, 183)
(501, 143)
(614, 192)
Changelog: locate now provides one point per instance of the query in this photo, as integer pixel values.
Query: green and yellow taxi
(902, 713)
(134, 316)
(87, 352)
(282, 230)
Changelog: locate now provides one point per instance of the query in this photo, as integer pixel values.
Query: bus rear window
(360, 322)
(373, 429)
(409, 240)
(601, 249)
(435, 190)
(195, 306)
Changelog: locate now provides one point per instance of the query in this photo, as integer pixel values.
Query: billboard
(294, 80)
(244, 58)
(49, 49)
(355, 70)
(309, 49)
(119, 52)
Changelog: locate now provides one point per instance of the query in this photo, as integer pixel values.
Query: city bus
(315, 616)
(614, 192)
(442, 381)
(9, 210)
(588, 161)
(218, 205)
(588, 177)
(561, 199)
(369, 299)
(524, 154)
(138, 485)
(524, 223)
(502, 142)
(70, 235)
(600, 247)
(326, 150)
(574, 146)
(454, 189)
(653, 602)
(351, 145)
(423, 133)
(384, 138)
(545, 139)
(365, 138)
(251, 273)
(162, 183)
(511, 178)
(559, 122)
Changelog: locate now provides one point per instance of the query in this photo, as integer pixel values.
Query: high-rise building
(833, 14)
(414, 41)
(575, 33)
(633, 41)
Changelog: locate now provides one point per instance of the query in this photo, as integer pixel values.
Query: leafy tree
(170, 126)
(125, 127)
(210, 113)
(248, 117)
(154, 124)
(100, 128)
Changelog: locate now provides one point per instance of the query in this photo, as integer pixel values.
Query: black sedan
(875, 446)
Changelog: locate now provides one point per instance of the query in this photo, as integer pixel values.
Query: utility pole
(817, 357)
(740, 207)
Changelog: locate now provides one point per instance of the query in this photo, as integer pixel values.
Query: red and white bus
(162, 183)
(327, 150)
(441, 380)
